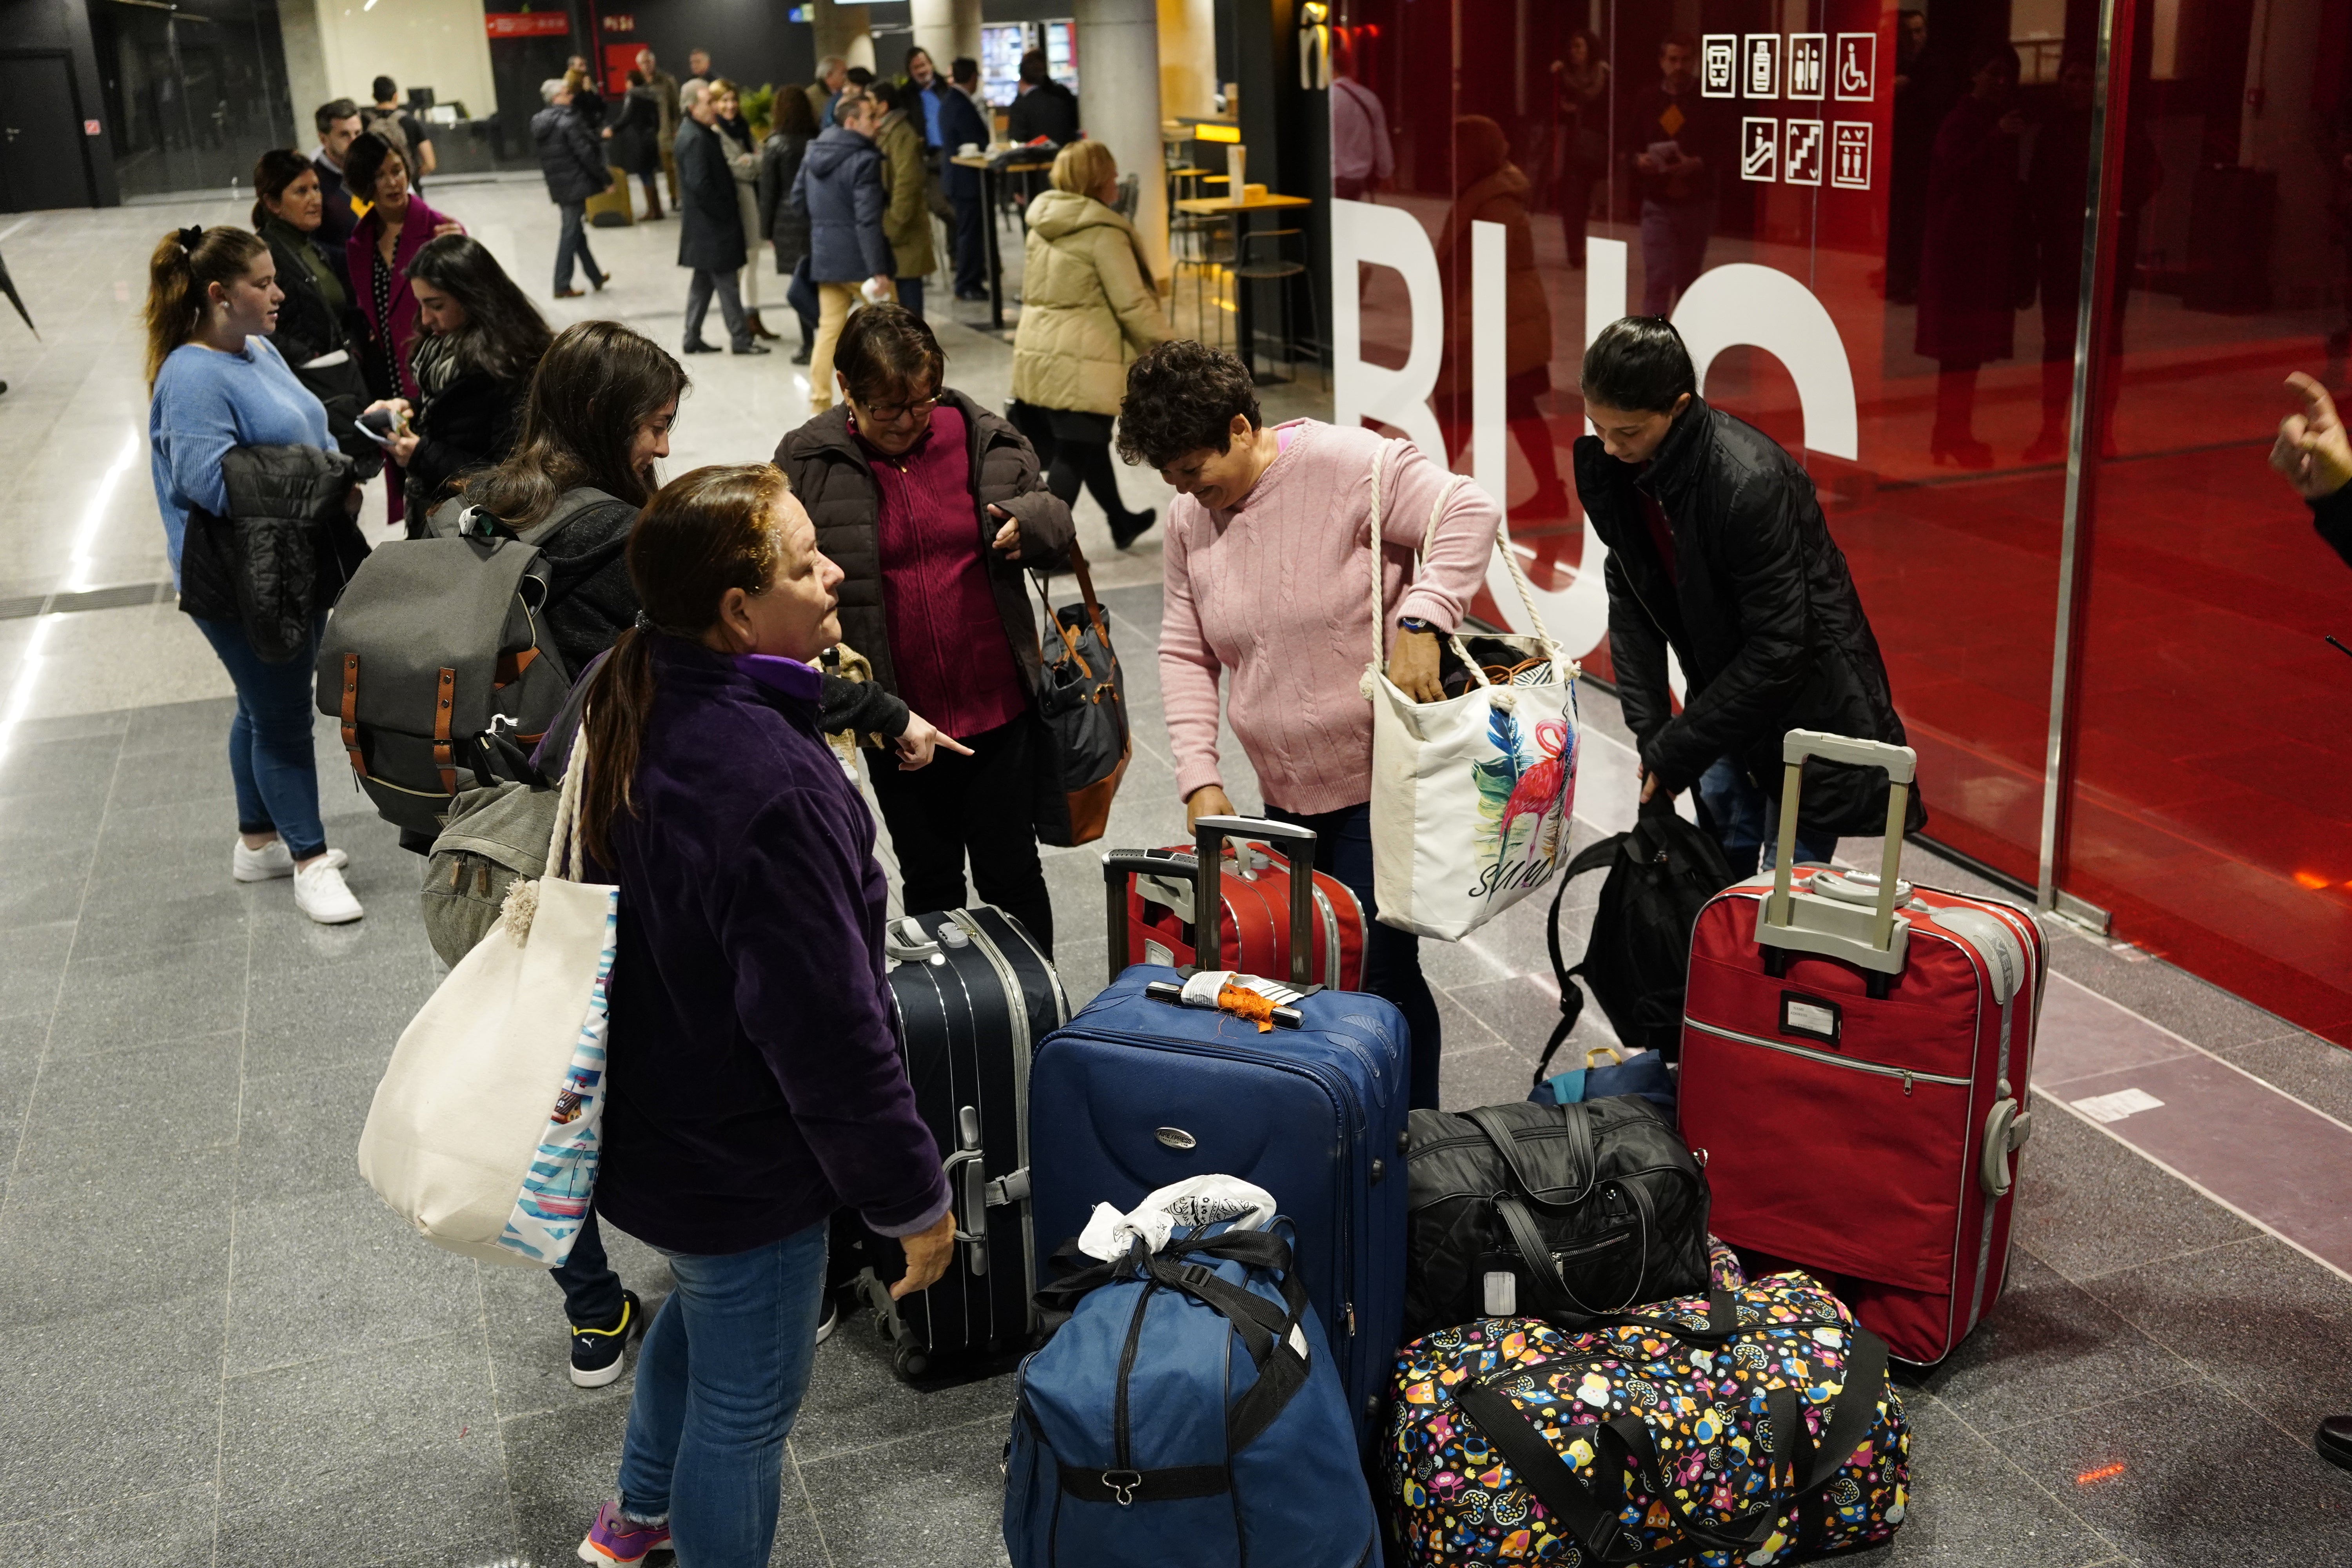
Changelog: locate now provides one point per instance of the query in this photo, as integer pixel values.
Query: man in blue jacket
(572, 159)
(962, 123)
(839, 188)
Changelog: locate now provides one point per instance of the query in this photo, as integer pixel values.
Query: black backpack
(1662, 872)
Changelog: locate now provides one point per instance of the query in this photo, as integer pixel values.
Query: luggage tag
(1263, 1002)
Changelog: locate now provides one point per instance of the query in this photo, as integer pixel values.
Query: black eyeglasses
(890, 413)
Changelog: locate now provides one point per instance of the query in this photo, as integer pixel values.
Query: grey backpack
(440, 664)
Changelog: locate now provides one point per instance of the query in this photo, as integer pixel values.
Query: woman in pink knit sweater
(1268, 564)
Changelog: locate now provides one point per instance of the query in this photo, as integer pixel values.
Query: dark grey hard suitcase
(973, 995)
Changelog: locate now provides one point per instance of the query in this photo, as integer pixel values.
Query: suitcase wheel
(910, 1361)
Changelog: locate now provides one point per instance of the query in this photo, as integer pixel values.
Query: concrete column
(947, 29)
(842, 30)
(306, 66)
(1188, 58)
(1119, 78)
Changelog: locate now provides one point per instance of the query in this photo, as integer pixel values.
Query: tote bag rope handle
(1380, 665)
(567, 832)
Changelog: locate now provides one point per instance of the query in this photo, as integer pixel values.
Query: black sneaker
(598, 1354)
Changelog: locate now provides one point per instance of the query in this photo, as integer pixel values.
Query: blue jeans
(1673, 251)
(1343, 848)
(269, 754)
(574, 243)
(1746, 822)
(720, 1378)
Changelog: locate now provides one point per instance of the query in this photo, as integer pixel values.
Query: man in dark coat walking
(710, 235)
(960, 122)
(1718, 551)
(572, 158)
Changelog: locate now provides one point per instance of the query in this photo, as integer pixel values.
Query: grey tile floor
(225, 1351)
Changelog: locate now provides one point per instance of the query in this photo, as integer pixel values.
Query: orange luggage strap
(350, 714)
(442, 755)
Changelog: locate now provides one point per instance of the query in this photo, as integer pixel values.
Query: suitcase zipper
(1905, 1074)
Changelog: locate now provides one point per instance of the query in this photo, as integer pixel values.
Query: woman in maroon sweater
(935, 508)
(397, 226)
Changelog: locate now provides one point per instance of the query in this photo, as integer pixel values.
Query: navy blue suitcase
(1134, 1094)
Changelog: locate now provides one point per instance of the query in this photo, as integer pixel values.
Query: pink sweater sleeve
(1188, 667)
(1456, 563)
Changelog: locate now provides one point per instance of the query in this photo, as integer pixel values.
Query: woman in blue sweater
(756, 1082)
(218, 383)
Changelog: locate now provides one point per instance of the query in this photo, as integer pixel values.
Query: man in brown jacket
(665, 88)
(907, 217)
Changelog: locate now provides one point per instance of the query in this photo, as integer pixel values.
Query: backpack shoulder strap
(569, 506)
(1591, 857)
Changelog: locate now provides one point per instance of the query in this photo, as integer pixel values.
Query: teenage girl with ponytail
(218, 383)
(755, 1083)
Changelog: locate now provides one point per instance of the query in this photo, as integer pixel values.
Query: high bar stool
(1279, 269)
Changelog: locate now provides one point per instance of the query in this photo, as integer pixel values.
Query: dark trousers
(970, 241)
(653, 194)
(910, 293)
(573, 244)
(982, 805)
(592, 1292)
(699, 290)
(1343, 848)
(1075, 450)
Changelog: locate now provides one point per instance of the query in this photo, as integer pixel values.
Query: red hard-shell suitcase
(1855, 1058)
(1256, 919)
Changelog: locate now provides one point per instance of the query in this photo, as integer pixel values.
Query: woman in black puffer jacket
(481, 340)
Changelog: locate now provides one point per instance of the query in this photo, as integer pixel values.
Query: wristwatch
(1413, 623)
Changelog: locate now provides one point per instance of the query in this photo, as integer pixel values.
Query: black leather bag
(1662, 872)
(1568, 1212)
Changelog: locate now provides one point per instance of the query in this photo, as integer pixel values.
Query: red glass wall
(2210, 806)
(1892, 208)
(1814, 126)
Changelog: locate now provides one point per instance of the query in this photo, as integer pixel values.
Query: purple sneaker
(612, 1539)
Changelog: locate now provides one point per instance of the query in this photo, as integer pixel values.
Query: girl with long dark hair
(482, 339)
(218, 384)
(756, 1082)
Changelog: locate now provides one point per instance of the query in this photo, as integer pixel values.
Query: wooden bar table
(989, 194)
(1240, 213)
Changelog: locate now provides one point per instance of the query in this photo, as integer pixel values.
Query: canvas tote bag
(1470, 795)
(484, 1133)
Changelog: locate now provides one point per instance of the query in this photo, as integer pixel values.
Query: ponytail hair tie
(192, 236)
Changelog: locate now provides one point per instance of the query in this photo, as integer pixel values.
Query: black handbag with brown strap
(1081, 702)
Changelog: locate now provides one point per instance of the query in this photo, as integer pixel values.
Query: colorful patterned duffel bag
(1752, 1425)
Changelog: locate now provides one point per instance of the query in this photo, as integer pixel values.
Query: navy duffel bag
(1143, 1434)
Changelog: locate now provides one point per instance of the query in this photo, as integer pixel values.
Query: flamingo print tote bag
(1470, 795)
(486, 1128)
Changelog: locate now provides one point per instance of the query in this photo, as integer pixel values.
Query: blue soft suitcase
(1134, 1094)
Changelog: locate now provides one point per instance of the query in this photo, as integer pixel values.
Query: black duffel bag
(1563, 1212)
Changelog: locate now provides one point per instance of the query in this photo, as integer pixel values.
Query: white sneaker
(320, 892)
(272, 861)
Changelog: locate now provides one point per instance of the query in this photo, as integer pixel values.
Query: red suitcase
(1255, 924)
(1855, 1057)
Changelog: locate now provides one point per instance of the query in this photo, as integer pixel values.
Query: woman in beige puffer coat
(1088, 308)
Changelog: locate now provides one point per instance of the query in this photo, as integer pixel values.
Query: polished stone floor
(225, 1351)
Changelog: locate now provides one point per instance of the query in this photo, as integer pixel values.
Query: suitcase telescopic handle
(1118, 865)
(1875, 941)
(1297, 847)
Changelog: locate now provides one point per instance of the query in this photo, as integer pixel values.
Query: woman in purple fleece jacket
(756, 1087)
